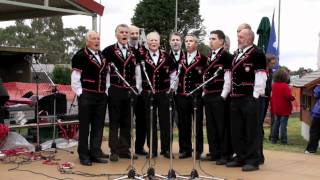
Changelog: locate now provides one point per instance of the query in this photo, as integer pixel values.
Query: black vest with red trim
(171, 54)
(126, 66)
(191, 75)
(93, 74)
(159, 74)
(244, 69)
(222, 59)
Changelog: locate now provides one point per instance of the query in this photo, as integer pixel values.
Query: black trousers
(185, 109)
(161, 112)
(141, 126)
(244, 113)
(92, 111)
(216, 125)
(314, 135)
(120, 119)
(264, 103)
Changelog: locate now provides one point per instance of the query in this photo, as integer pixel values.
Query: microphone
(147, 77)
(114, 66)
(179, 69)
(174, 82)
(143, 65)
(217, 71)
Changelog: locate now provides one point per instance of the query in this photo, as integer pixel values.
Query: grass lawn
(296, 143)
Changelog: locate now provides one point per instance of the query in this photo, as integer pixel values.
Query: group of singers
(128, 75)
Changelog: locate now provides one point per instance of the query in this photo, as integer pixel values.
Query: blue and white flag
(273, 43)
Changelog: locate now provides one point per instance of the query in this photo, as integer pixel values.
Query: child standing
(281, 105)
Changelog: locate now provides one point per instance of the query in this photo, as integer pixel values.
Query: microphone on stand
(147, 77)
(206, 82)
(217, 71)
(122, 78)
(114, 67)
(172, 85)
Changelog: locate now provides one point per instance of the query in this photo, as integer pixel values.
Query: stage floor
(278, 165)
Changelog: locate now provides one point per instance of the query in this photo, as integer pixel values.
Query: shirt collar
(92, 51)
(193, 54)
(157, 53)
(245, 49)
(121, 46)
(217, 50)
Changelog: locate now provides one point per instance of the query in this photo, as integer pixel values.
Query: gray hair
(195, 38)
(89, 33)
(154, 33)
(121, 25)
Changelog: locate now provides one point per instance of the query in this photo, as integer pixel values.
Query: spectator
(315, 124)
(281, 105)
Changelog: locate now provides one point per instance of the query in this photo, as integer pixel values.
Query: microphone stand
(194, 173)
(36, 78)
(54, 121)
(171, 172)
(151, 171)
(132, 172)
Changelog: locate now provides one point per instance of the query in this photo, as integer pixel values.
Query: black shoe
(99, 160)
(86, 162)
(184, 155)
(114, 157)
(142, 152)
(261, 161)
(221, 161)
(249, 167)
(234, 164)
(167, 155)
(103, 155)
(207, 158)
(127, 156)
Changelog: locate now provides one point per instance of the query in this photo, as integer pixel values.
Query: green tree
(48, 34)
(17, 35)
(73, 40)
(61, 74)
(159, 15)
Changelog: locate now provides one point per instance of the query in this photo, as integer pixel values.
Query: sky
(299, 28)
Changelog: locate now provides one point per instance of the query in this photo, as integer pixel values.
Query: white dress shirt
(155, 56)
(191, 56)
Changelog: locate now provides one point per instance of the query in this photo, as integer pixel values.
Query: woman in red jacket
(281, 105)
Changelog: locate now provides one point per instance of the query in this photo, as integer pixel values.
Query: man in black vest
(160, 70)
(177, 55)
(190, 77)
(141, 126)
(214, 97)
(123, 58)
(248, 81)
(88, 81)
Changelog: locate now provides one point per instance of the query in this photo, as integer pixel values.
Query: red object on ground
(3, 132)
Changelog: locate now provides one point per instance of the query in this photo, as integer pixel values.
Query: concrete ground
(278, 165)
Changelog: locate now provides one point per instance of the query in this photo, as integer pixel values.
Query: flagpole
(279, 12)
(176, 18)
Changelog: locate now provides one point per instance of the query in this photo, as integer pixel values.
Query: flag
(273, 44)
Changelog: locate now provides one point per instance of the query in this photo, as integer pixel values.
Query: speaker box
(4, 96)
(46, 103)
